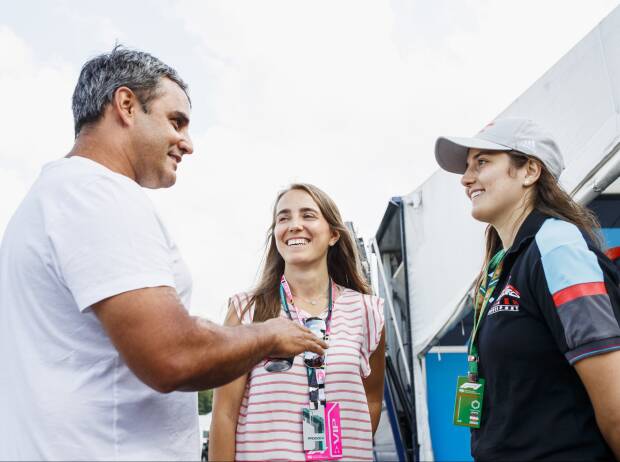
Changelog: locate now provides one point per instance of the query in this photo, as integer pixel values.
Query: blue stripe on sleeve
(565, 256)
(593, 353)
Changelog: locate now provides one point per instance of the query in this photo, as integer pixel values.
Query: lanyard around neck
(481, 303)
(286, 297)
(316, 376)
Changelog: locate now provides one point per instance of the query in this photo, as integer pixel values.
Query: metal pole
(375, 247)
(606, 175)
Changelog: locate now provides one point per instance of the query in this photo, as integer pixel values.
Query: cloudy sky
(346, 94)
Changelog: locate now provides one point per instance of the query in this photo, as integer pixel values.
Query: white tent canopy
(578, 100)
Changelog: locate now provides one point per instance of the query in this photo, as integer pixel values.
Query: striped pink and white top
(269, 426)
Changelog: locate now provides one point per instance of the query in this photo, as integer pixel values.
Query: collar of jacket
(527, 231)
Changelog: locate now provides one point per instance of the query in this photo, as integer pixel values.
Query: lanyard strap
(315, 375)
(286, 296)
(494, 270)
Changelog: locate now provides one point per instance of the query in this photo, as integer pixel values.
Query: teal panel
(450, 443)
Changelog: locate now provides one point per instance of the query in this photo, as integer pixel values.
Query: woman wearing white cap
(544, 355)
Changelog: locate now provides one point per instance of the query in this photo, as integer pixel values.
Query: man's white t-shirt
(82, 234)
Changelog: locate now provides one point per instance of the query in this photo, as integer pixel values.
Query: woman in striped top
(259, 416)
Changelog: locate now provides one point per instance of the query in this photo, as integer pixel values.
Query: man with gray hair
(96, 343)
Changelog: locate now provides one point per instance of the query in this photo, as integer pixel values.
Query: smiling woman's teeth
(296, 242)
(476, 194)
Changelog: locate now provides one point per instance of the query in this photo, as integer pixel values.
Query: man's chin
(161, 183)
(171, 182)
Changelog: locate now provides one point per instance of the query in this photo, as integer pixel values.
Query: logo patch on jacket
(508, 300)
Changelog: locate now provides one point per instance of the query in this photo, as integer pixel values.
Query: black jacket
(557, 302)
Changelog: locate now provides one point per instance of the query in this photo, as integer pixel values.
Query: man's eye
(175, 123)
(482, 161)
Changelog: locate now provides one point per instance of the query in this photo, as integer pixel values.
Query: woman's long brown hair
(343, 263)
(550, 199)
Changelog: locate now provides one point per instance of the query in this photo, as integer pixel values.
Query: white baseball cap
(507, 134)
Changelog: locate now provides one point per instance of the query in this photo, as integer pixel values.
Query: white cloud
(36, 107)
(323, 83)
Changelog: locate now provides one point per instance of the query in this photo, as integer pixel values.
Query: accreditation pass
(468, 402)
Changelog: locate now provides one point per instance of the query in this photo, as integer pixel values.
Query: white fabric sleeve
(372, 327)
(107, 239)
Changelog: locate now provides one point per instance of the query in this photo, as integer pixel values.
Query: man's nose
(185, 145)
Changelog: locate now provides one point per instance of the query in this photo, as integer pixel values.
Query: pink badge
(333, 435)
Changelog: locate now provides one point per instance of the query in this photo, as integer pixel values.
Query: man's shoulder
(80, 194)
(78, 179)
(83, 171)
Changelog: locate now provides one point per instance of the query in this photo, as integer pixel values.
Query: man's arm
(169, 350)
(600, 375)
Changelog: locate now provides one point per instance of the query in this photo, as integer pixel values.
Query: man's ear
(533, 168)
(125, 103)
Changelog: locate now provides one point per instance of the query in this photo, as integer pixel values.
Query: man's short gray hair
(122, 67)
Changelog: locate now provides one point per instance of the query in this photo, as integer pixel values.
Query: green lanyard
(482, 301)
